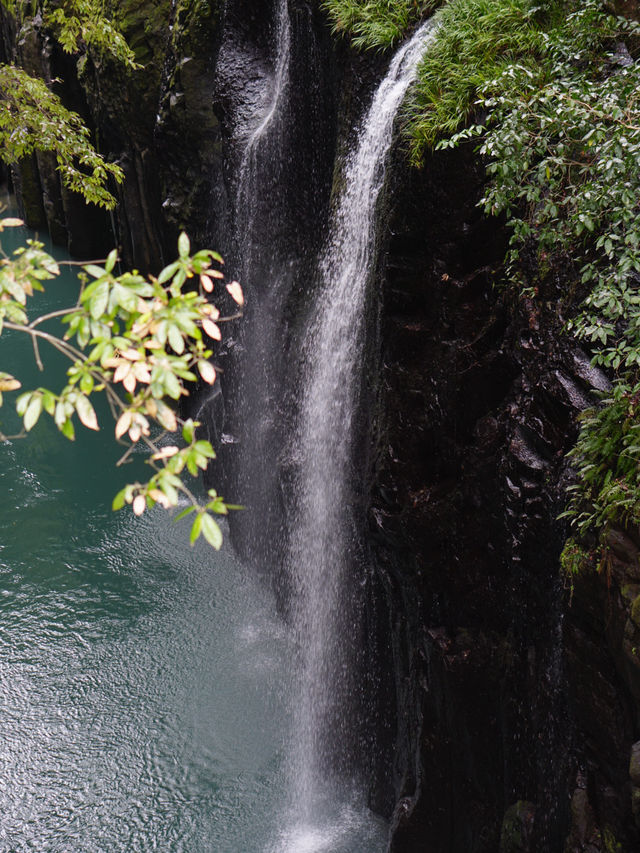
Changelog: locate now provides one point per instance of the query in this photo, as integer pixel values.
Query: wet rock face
(509, 687)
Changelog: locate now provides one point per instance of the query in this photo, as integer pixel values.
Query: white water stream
(262, 263)
(322, 560)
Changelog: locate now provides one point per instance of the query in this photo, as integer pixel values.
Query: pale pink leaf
(235, 292)
(165, 452)
(212, 330)
(207, 371)
(123, 424)
(139, 504)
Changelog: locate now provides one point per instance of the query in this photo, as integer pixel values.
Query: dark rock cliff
(517, 687)
(508, 715)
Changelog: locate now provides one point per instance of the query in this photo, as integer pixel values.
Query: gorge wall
(507, 697)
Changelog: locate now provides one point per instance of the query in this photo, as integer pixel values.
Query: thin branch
(36, 353)
(70, 351)
(81, 263)
(49, 316)
(125, 456)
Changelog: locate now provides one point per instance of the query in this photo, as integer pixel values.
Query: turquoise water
(145, 686)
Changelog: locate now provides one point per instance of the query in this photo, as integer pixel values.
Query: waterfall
(263, 151)
(322, 556)
(280, 191)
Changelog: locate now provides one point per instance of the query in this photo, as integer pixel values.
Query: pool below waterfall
(145, 686)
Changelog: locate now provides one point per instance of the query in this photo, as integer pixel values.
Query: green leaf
(176, 340)
(68, 430)
(211, 531)
(184, 513)
(184, 246)
(22, 402)
(111, 261)
(48, 402)
(188, 431)
(196, 527)
(168, 272)
(119, 500)
(33, 412)
(99, 300)
(94, 271)
(86, 383)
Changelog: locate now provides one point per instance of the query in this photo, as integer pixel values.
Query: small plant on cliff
(137, 341)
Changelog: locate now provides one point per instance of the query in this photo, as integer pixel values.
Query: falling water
(322, 552)
(263, 151)
(262, 257)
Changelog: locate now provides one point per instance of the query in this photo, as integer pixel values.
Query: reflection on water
(135, 714)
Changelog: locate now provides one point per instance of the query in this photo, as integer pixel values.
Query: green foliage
(573, 560)
(476, 41)
(82, 25)
(559, 130)
(606, 458)
(32, 118)
(79, 25)
(376, 23)
(563, 151)
(137, 340)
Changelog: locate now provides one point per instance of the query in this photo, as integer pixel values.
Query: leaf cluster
(78, 25)
(32, 118)
(81, 25)
(138, 341)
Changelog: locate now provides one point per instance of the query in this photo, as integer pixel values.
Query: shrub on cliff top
(476, 41)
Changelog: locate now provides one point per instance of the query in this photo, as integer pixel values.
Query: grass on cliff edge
(376, 24)
(475, 42)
